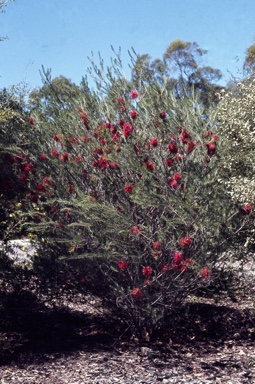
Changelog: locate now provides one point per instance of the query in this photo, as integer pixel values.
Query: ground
(78, 342)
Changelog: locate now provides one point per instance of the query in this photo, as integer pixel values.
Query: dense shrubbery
(123, 184)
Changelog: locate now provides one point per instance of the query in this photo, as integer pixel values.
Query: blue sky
(60, 34)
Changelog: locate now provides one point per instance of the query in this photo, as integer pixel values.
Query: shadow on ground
(28, 327)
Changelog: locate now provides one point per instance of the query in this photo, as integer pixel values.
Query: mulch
(78, 342)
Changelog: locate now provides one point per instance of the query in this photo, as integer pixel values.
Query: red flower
(136, 292)
(173, 148)
(211, 148)
(54, 152)
(64, 157)
(120, 101)
(112, 165)
(134, 94)
(133, 114)
(40, 187)
(246, 210)
(127, 129)
(43, 157)
(115, 136)
(85, 138)
(179, 157)
(184, 136)
(78, 159)
(156, 254)
(177, 176)
(156, 245)
(188, 262)
(57, 136)
(165, 268)
(135, 230)
(84, 118)
(154, 142)
(31, 121)
(173, 184)
(103, 162)
(149, 165)
(23, 177)
(169, 162)
(128, 188)
(191, 146)
(47, 180)
(122, 265)
(121, 122)
(147, 271)
(177, 257)
(185, 242)
(103, 142)
(204, 273)
(162, 115)
(27, 167)
(71, 188)
(95, 164)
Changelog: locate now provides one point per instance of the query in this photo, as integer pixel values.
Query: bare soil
(79, 342)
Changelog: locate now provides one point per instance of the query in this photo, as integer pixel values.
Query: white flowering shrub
(236, 115)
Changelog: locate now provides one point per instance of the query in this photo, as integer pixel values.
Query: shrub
(235, 114)
(124, 186)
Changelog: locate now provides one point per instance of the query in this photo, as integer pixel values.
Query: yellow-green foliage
(236, 114)
(5, 113)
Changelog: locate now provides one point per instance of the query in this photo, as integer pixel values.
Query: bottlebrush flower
(31, 121)
(43, 157)
(64, 157)
(71, 188)
(128, 188)
(156, 245)
(127, 129)
(133, 114)
(162, 115)
(122, 265)
(173, 184)
(165, 268)
(40, 187)
(211, 148)
(134, 94)
(204, 273)
(135, 230)
(184, 136)
(169, 162)
(149, 165)
(191, 146)
(246, 210)
(27, 167)
(47, 180)
(23, 177)
(154, 142)
(57, 136)
(120, 101)
(177, 176)
(147, 271)
(173, 148)
(54, 152)
(185, 242)
(136, 292)
(177, 257)
(188, 262)
(78, 159)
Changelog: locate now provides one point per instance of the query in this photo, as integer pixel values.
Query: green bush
(124, 187)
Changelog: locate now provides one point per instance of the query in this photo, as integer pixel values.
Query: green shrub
(124, 186)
